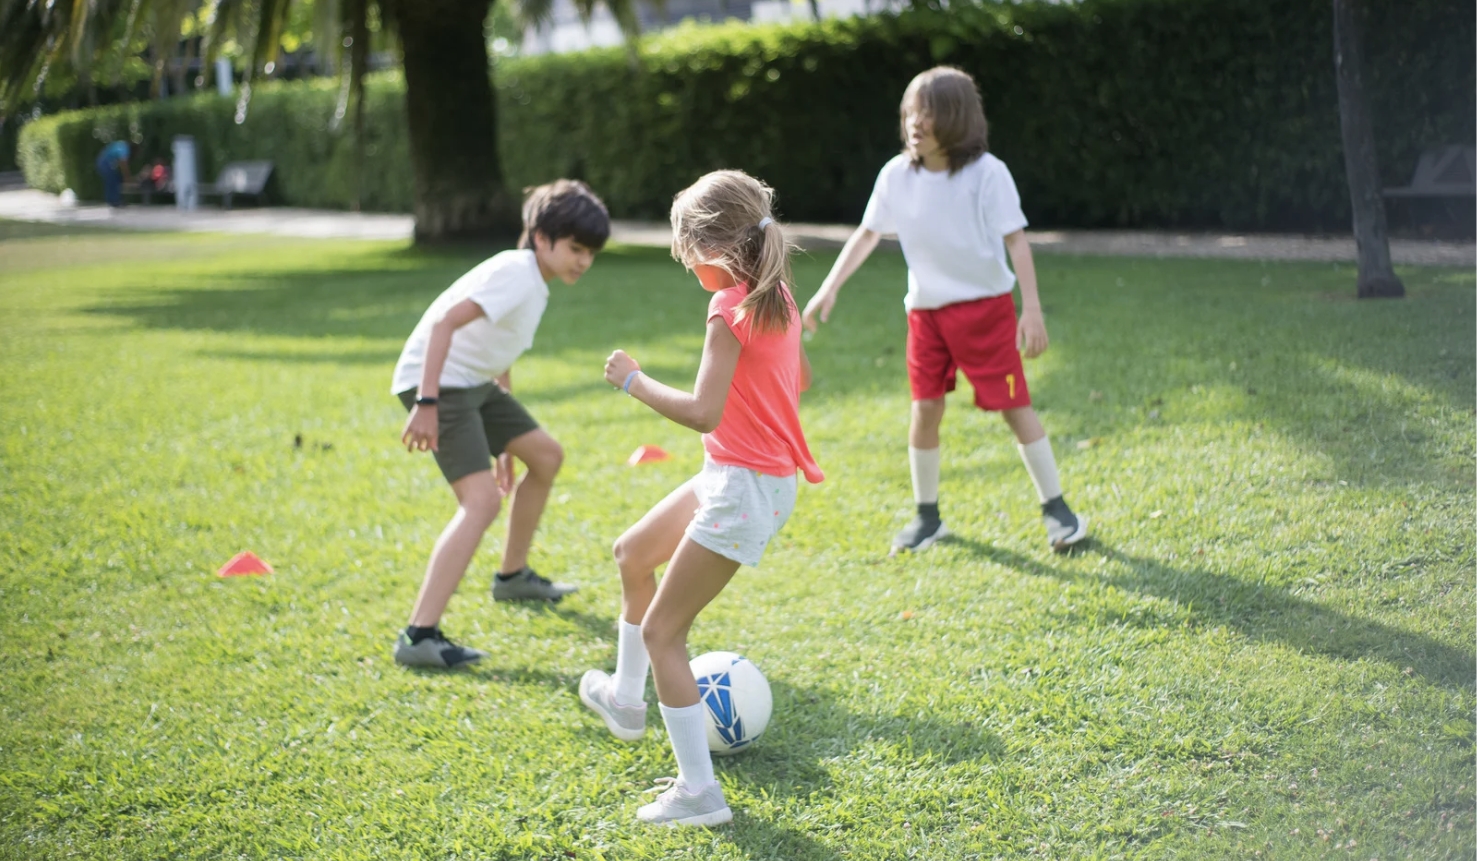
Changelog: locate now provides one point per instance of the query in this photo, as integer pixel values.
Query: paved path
(30, 205)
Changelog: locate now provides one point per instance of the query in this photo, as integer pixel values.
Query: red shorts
(975, 337)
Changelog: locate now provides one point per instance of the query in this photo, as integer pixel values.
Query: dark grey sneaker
(434, 651)
(920, 535)
(527, 585)
(1063, 528)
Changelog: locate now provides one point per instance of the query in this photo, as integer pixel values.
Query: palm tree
(459, 189)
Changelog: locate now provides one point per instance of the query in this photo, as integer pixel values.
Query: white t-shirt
(952, 228)
(512, 294)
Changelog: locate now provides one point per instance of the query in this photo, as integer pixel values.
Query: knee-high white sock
(1042, 466)
(925, 465)
(631, 664)
(687, 728)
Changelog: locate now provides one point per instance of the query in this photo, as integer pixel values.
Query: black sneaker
(1063, 528)
(925, 529)
(527, 585)
(434, 651)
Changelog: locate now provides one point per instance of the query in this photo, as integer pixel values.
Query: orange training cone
(646, 454)
(244, 562)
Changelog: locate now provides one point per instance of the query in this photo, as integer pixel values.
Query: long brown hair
(951, 100)
(726, 219)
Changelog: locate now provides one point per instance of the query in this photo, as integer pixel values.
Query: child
(955, 210)
(453, 377)
(746, 405)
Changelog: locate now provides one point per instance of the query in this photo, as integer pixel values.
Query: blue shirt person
(112, 165)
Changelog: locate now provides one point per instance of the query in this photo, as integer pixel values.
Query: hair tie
(765, 222)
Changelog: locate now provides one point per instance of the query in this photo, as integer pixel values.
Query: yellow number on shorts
(1010, 381)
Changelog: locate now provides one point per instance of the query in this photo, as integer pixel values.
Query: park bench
(1438, 201)
(1446, 171)
(145, 192)
(239, 177)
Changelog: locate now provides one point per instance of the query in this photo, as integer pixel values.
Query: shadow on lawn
(812, 725)
(1258, 611)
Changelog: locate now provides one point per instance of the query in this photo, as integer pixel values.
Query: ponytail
(769, 306)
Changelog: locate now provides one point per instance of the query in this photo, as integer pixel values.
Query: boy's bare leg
(1024, 424)
(923, 428)
(541, 456)
(647, 544)
(477, 506)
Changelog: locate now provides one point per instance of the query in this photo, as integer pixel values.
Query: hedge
(1117, 112)
(1195, 113)
(292, 125)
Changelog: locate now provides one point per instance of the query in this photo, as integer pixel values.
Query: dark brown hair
(564, 207)
(726, 219)
(949, 98)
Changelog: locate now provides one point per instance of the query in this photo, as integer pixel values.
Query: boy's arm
(703, 409)
(858, 248)
(1030, 335)
(422, 427)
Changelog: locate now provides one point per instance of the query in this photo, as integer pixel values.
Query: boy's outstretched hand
(1030, 334)
(421, 429)
(619, 366)
(820, 304)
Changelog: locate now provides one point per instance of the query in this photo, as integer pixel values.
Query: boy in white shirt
(956, 212)
(454, 378)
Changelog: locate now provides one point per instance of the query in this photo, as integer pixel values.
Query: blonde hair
(726, 219)
(951, 100)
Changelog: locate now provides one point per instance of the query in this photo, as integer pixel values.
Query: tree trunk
(1376, 274)
(459, 191)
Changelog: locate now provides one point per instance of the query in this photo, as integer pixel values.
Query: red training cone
(244, 562)
(646, 454)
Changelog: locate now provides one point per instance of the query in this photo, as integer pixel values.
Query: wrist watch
(423, 401)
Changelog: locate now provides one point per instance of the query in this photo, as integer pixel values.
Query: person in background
(112, 166)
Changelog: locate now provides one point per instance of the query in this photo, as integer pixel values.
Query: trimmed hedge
(1195, 113)
(1213, 113)
(289, 124)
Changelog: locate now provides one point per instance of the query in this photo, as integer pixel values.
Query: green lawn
(1266, 650)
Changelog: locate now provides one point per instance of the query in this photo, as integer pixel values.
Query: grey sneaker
(1063, 528)
(627, 723)
(528, 586)
(434, 651)
(677, 806)
(925, 529)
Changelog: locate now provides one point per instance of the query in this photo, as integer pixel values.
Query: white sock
(631, 664)
(687, 728)
(925, 466)
(1042, 466)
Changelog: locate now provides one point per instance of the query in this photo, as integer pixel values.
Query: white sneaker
(627, 723)
(677, 806)
(1063, 528)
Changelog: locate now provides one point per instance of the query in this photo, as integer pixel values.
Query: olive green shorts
(476, 426)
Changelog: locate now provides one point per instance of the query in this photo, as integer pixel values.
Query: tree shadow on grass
(1257, 610)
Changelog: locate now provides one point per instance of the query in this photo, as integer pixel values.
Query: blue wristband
(629, 377)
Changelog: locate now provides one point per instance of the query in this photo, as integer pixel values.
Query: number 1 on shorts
(1010, 382)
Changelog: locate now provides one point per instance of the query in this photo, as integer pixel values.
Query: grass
(1268, 647)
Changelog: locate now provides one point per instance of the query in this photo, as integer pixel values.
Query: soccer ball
(735, 697)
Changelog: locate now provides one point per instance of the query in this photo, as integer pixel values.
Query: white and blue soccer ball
(736, 699)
